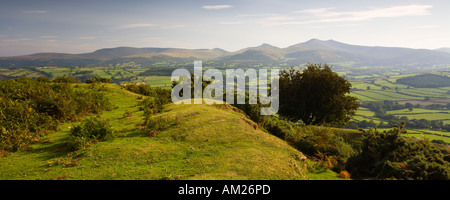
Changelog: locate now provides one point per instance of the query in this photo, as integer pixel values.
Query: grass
(208, 143)
(421, 133)
(419, 113)
(157, 81)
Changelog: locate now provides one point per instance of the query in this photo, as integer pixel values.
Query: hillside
(313, 51)
(209, 142)
(447, 50)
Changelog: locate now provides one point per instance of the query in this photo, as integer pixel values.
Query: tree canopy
(316, 95)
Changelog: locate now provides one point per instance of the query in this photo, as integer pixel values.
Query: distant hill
(447, 50)
(314, 51)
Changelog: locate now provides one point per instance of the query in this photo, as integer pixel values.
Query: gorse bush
(98, 80)
(153, 104)
(154, 125)
(21, 124)
(389, 155)
(157, 97)
(65, 79)
(90, 131)
(327, 147)
(31, 108)
(147, 90)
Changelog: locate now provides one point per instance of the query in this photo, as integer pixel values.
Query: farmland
(430, 104)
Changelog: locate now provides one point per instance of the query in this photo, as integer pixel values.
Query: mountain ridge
(313, 50)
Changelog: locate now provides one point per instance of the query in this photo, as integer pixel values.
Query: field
(387, 88)
(417, 113)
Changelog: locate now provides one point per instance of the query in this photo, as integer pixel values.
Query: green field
(417, 113)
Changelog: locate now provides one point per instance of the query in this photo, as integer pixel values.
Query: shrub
(389, 155)
(163, 95)
(279, 127)
(65, 79)
(329, 148)
(151, 106)
(154, 125)
(92, 130)
(344, 174)
(98, 80)
(31, 108)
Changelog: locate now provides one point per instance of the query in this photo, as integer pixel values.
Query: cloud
(48, 36)
(425, 27)
(131, 26)
(328, 15)
(17, 40)
(332, 15)
(34, 11)
(231, 22)
(216, 7)
(87, 38)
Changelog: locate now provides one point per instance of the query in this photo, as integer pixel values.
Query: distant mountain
(108, 56)
(313, 51)
(319, 51)
(447, 50)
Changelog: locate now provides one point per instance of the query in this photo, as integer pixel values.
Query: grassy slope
(209, 143)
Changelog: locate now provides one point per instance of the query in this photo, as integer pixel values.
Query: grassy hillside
(208, 142)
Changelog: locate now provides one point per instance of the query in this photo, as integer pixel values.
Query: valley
(391, 90)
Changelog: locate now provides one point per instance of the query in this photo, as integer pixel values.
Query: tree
(317, 95)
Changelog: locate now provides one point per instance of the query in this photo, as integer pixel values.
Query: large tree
(316, 95)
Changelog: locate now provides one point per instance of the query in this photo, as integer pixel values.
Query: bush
(31, 108)
(147, 90)
(329, 148)
(389, 155)
(279, 127)
(92, 130)
(21, 125)
(154, 125)
(65, 79)
(98, 80)
(152, 105)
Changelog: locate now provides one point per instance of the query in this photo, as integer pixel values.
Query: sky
(82, 26)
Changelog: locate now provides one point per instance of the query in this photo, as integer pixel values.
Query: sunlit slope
(208, 142)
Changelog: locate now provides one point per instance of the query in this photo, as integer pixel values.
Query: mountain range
(313, 51)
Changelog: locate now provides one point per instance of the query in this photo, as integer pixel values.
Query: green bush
(31, 108)
(92, 130)
(147, 90)
(279, 127)
(21, 125)
(98, 80)
(155, 124)
(65, 79)
(387, 154)
(324, 145)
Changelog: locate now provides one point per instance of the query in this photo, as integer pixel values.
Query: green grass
(418, 113)
(157, 81)
(208, 143)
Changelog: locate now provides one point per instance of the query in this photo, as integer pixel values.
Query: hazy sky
(80, 26)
